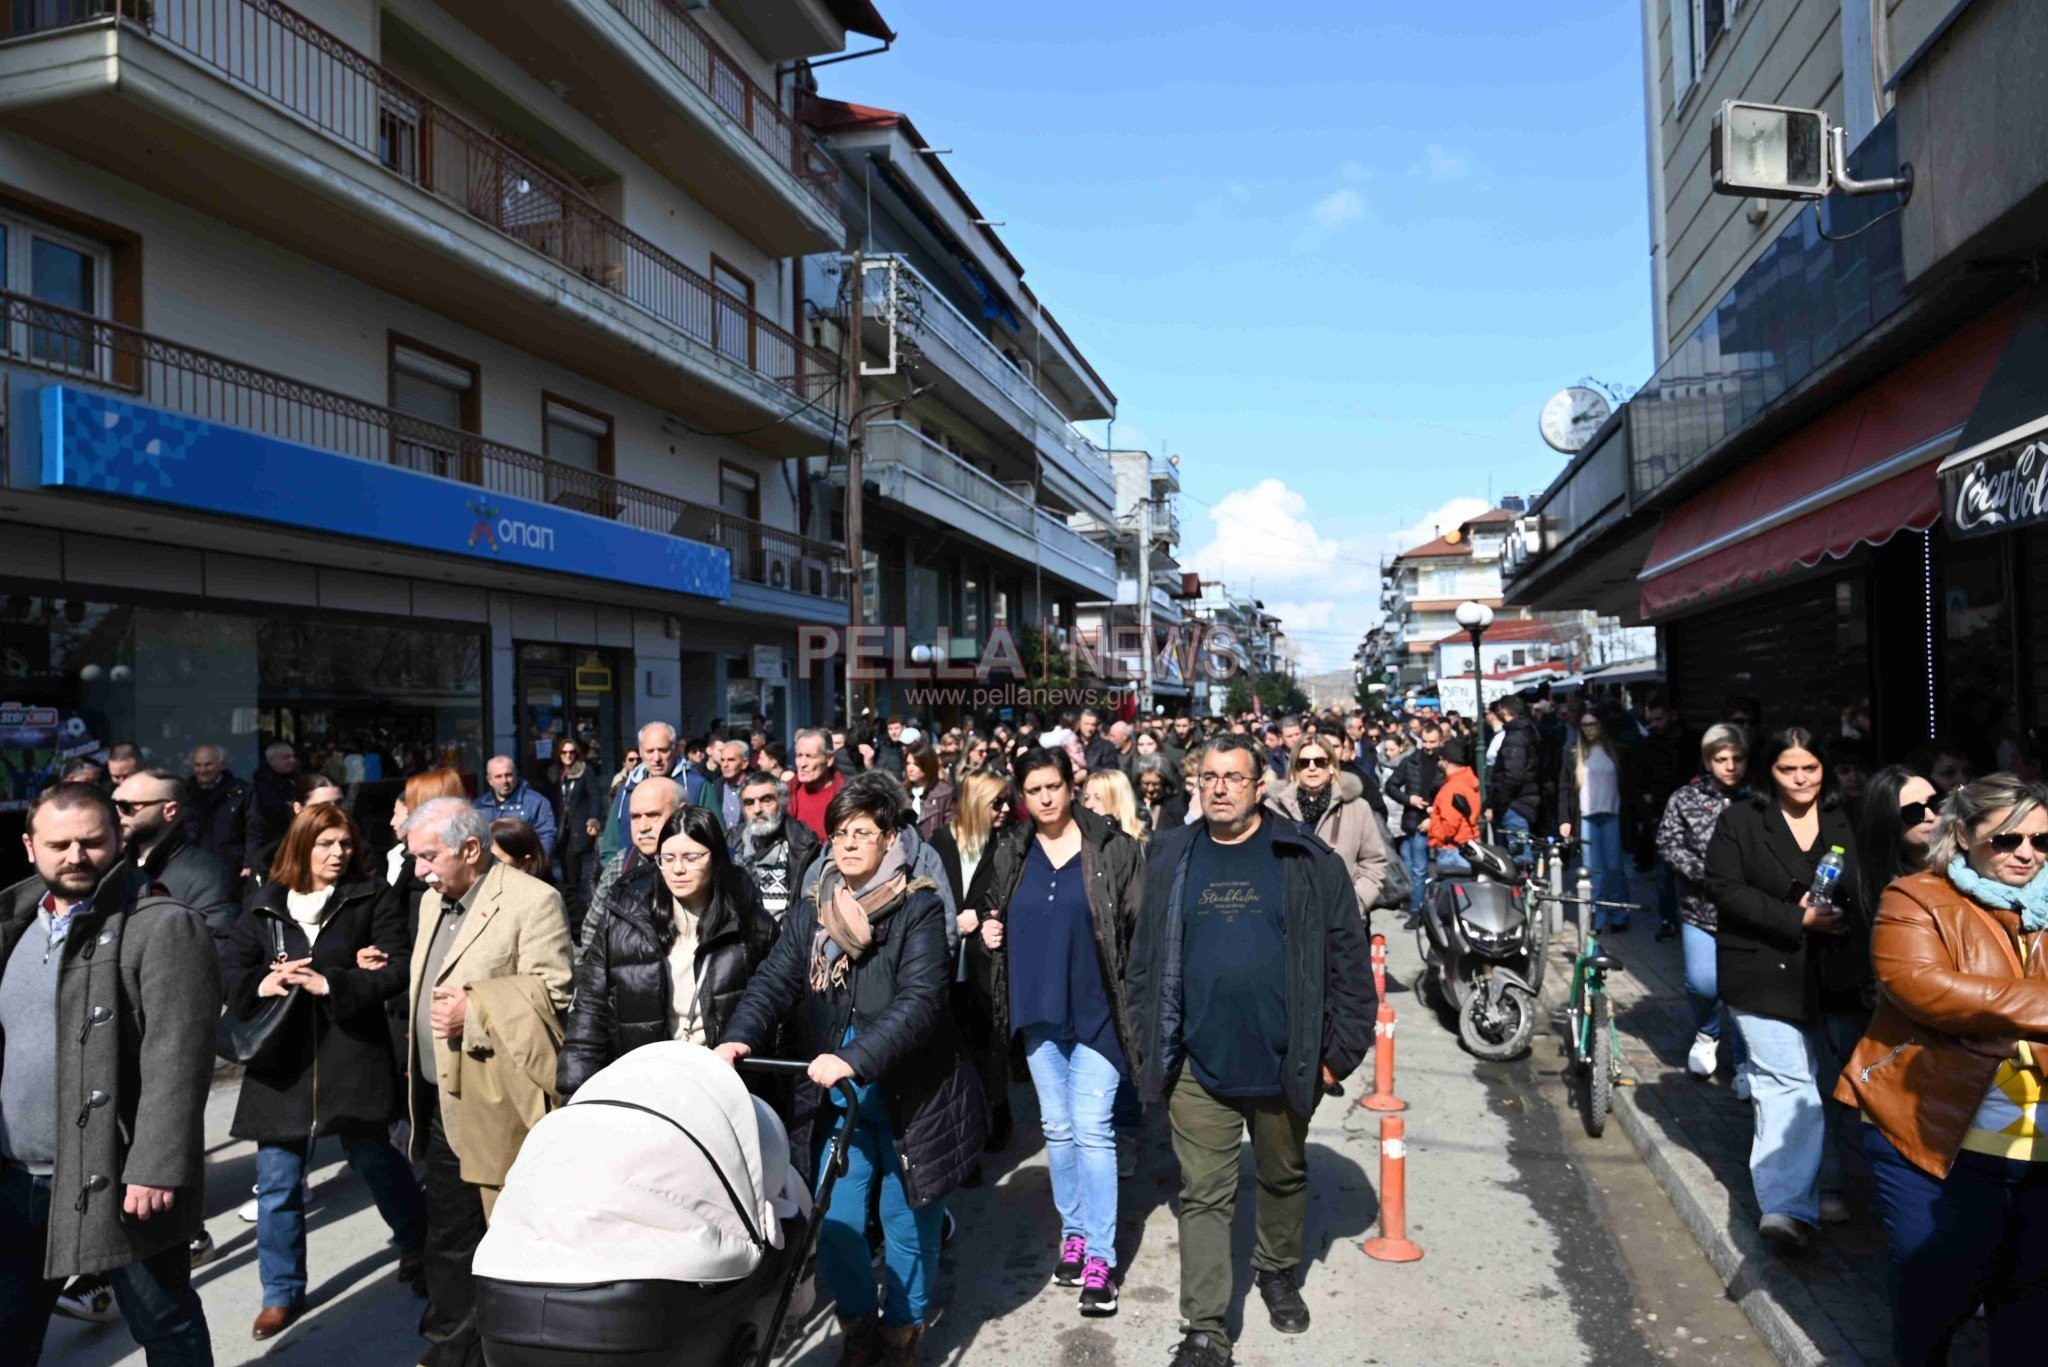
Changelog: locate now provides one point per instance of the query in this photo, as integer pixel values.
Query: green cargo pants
(1208, 1133)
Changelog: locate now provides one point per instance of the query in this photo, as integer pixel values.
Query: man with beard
(152, 808)
(109, 992)
(776, 850)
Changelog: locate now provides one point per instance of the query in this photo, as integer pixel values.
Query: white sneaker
(1742, 1084)
(1704, 1056)
(90, 1299)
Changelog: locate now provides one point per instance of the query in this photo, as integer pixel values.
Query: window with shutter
(436, 390)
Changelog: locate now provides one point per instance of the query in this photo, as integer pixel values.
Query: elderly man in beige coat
(481, 921)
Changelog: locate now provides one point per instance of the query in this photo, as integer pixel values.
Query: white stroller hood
(612, 1188)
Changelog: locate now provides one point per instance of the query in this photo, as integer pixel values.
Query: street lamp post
(1476, 617)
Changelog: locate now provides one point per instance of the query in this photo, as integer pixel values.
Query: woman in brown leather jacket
(1949, 1081)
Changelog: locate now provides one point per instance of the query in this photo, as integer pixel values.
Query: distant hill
(1336, 689)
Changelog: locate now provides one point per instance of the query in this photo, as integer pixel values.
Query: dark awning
(1998, 477)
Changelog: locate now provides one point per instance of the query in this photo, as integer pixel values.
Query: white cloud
(1338, 208)
(1441, 165)
(1325, 588)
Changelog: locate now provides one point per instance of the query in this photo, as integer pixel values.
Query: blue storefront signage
(94, 441)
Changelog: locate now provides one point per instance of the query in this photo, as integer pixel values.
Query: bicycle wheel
(1600, 1067)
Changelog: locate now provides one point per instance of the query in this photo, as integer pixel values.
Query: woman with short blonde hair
(1106, 792)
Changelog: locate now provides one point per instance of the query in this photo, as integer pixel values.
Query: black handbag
(253, 1041)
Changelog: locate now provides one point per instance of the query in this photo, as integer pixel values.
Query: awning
(1998, 477)
(1857, 476)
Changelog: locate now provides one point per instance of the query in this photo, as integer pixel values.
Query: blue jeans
(281, 1208)
(155, 1294)
(1415, 858)
(1076, 1092)
(1450, 863)
(1976, 1236)
(1792, 1156)
(1600, 848)
(910, 1238)
(1703, 989)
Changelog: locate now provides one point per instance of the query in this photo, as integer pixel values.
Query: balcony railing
(1063, 541)
(703, 63)
(930, 311)
(79, 349)
(281, 56)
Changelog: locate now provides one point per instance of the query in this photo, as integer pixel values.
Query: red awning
(1857, 476)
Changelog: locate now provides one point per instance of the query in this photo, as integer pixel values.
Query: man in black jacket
(1251, 993)
(218, 812)
(774, 849)
(152, 808)
(1413, 786)
(1514, 790)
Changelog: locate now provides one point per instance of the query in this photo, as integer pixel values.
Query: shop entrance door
(567, 691)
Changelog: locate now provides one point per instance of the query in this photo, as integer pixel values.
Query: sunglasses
(2007, 841)
(1913, 813)
(1311, 762)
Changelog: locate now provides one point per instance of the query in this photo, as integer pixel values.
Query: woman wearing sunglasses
(1948, 1083)
(1327, 798)
(1794, 974)
(1895, 825)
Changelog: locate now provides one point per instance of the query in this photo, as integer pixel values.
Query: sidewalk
(1829, 1307)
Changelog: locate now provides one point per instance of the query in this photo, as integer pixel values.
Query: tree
(1278, 694)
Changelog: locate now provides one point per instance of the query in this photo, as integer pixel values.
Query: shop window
(732, 323)
(438, 389)
(580, 439)
(59, 268)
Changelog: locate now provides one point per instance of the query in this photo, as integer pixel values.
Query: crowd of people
(1101, 907)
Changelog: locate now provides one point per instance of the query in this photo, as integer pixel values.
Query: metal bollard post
(1383, 1098)
(1393, 1245)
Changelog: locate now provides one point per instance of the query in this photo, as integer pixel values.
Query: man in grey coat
(109, 999)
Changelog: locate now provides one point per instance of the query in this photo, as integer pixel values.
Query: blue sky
(1335, 253)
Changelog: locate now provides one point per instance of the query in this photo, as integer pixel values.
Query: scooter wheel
(1497, 1034)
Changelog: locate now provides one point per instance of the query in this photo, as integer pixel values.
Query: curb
(1778, 1305)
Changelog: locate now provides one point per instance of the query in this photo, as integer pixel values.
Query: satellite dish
(1572, 416)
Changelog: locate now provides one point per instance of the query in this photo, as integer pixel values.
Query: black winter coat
(904, 1037)
(1331, 1002)
(1514, 782)
(1767, 961)
(1417, 775)
(1626, 780)
(222, 821)
(623, 988)
(804, 849)
(1112, 869)
(197, 879)
(336, 1071)
(577, 801)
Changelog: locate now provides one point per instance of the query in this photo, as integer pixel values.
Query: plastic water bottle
(1825, 876)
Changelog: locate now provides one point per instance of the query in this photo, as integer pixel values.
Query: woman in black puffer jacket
(860, 977)
(633, 989)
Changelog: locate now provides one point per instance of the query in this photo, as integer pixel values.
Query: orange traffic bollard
(1379, 966)
(1392, 1245)
(1382, 1097)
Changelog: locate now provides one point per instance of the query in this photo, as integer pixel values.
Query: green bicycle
(1595, 1048)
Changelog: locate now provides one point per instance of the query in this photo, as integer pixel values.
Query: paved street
(1542, 1247)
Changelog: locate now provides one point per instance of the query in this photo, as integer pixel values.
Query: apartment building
(1144, 536)
(1239, 625)
(1420, 590)
(1820, 496)
(409, 381)
(973, 464)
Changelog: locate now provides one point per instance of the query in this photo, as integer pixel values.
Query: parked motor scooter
(1480, 948)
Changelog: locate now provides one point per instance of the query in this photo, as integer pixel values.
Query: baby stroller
(654, 1221)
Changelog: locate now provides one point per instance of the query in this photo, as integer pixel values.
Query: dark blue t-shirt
(1234, 948)
(1055, 973)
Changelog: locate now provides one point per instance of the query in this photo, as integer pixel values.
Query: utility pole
(1145, 591)
(856, 428)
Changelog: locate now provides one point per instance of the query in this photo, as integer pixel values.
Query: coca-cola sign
(1997, 492)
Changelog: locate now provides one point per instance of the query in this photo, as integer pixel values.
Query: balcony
(80, 351)
(648, 73)
(249, 111)
(933, 482)
(974, 373)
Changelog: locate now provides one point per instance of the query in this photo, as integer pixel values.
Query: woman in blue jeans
(1063, 898)
(1947, 1078)
(1595, 791)
(858, 980)
(1682, 835)
(336, 938)
(1795, 973)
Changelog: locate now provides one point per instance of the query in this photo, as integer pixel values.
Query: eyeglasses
(1913, 813)
(1312, 762)
(681, 859)
(853, 840)
(2005, 842)
(1234, 782)
(126, 808)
